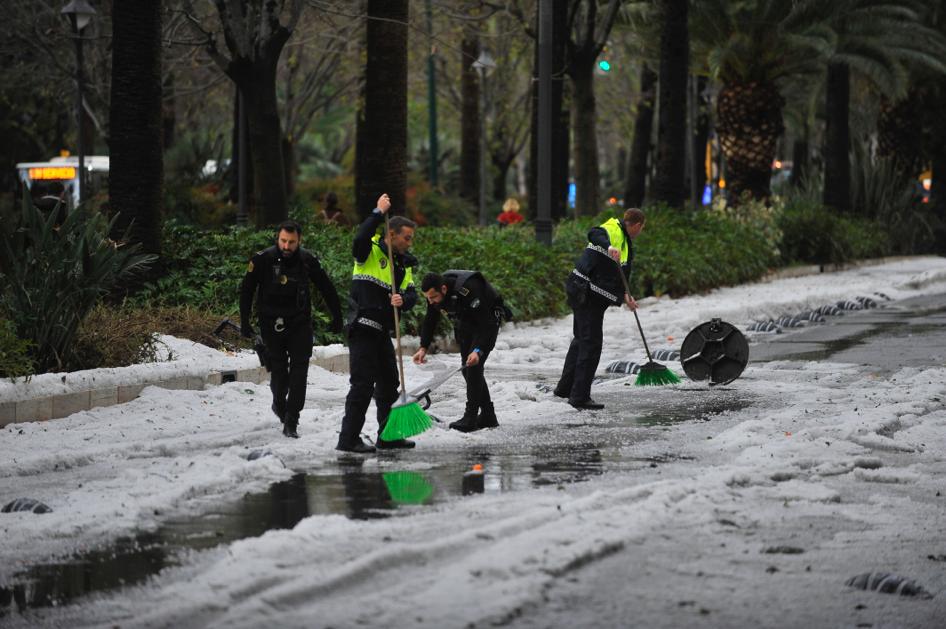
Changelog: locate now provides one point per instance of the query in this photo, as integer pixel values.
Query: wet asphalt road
(908, 333)
(724, 581)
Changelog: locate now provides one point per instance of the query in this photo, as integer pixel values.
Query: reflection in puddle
(349, 490)
(354, 488)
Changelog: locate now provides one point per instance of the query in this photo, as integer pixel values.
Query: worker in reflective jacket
(476, 310)
(372, 362)
(593, 285)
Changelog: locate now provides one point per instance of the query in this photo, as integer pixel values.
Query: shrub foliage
(54, 275)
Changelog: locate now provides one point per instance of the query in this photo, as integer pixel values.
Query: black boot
(289, 426)
(487, 417)
(467, 423)
(357, 446)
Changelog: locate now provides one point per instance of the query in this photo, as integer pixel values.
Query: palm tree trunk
(381, 146)
(636, 182)
(136, 176)
(669, 185)
(749, 125)
(470, 120)
(585, 151)
(837, 143)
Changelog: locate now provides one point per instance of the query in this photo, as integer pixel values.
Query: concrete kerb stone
(7, 413)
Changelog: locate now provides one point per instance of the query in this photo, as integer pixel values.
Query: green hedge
(814, 234)
(678, 253)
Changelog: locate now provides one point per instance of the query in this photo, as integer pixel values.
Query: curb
(65, 404)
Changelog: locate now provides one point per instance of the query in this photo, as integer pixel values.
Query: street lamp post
(483, 65)
(80, 13)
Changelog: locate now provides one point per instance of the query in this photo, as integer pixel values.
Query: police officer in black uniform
(594, 284)
(372, 363)
(476, 310)
(279, 278)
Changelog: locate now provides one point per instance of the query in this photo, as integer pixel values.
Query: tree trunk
(934, 104)
(169, 112)
(500, 174)
(700, 137)
(381, 147)
(837, 161)
(800, 152)
(470, 120)
(635, 186)
(137, 167)
(669, 186)
(265, 135)
(585, 150)
(290, 164)
(749, 125)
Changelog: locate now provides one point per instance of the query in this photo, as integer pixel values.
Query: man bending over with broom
(476, 310)
(371, 321)
(594, 284)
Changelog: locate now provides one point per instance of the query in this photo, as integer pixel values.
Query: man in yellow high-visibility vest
(372, 362)
(593, 285)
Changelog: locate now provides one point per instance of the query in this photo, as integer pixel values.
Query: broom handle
(397, 319)
(627, 289)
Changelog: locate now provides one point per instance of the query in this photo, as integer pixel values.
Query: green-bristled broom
(406, 418)
(411, 488)
(653, 373)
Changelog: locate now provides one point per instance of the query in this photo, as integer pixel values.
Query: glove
(337, 326)
(247, 331)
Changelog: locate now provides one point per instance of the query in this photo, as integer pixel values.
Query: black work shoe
(467, 423)
(290, 423)
(586, 405)
(559, 393)
(357, 446)
(397, 444)
(280, 414)
(289, 427)
(487, 418)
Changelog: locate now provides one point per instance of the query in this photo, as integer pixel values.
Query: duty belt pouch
(577, 291)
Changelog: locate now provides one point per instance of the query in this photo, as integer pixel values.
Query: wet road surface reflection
(354, 488)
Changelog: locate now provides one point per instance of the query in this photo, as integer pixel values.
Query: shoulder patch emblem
(249, 267)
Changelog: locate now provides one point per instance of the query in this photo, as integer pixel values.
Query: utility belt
(584, 282)
(280, 324)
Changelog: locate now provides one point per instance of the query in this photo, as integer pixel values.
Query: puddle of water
(348, 490)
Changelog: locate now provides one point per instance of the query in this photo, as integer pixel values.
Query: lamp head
(80, 13)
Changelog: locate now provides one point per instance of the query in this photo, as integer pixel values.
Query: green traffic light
(604, 65)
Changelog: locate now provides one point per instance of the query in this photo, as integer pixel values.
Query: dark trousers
(477, 391)
(373, 368)
(289, 353)
(581, 362)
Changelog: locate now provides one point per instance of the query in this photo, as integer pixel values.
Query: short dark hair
(289, 226)
(633, 216)
(431, 280)
(397, 223)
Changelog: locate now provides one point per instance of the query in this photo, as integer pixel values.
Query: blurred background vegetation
(755, 134)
